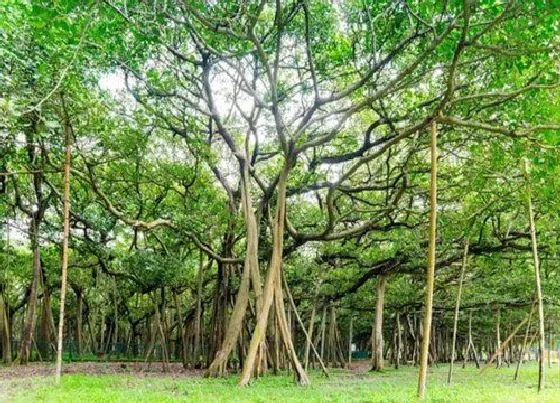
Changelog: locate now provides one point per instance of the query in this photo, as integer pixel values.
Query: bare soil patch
(137, 369)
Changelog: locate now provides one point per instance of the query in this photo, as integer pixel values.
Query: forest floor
(132, 382)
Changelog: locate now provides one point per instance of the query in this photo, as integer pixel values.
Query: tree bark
(307, 335)
(524, 346)
(65, 236)
(398, 339)
(350, 340)
(323, 329)
(501, 346)
(377, 346)
(251, 263)
(308, 342)
(272, 286)
(498, 339)
(198, 313)
(30, 317)
(5, 332)
(536, 264)
(79, 320)
(429, 295)
(457, 308)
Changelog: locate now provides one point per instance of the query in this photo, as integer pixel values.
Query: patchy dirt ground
(138, 369)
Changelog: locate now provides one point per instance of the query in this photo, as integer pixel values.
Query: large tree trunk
(217, 367)
(46, 341)
(429, 295)
(377, 346)
(30, 318)
(5, 339)
(273, 286)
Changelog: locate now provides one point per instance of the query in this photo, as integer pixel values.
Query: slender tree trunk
(323, 329)
(405, 339)
(79, 320)
(308, 342)
(116, 313)
(501, 346)
(299, 372)
(181, 331)
(350, 341)
(429, 296)
(398, 342)
(524, 346)
(65, 236)
(549, 349)
(377, 347)
(498, 339)
(537, 278)
(331, 340)
(198, 313)
(457, 308)
(307, 335)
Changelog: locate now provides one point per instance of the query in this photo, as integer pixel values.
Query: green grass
(389, 386)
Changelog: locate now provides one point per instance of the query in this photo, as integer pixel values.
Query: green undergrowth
(342, 386)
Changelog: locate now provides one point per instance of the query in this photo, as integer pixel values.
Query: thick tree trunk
(235, 324)
(457, 308)
(273, 285)
(377, 346)
(5, 338)
(30, 318)
(47, 330)
(429, 294)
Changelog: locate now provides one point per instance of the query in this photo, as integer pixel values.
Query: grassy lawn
(343, 386)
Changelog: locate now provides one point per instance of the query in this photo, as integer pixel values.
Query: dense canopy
(251, 183)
